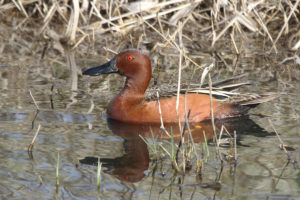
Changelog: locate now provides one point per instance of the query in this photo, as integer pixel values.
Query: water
(74, 124)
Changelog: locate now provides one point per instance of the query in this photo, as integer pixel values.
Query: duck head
(131, 63)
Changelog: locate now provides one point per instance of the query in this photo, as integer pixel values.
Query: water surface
(74, 124)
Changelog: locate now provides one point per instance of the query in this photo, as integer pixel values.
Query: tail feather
(242, 105)
(252, 100)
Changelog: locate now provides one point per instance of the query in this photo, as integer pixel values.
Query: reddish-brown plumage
(129, 106)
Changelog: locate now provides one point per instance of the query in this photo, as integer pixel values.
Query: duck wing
(221, 90)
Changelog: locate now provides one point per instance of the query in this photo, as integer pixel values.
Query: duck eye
(130, 58)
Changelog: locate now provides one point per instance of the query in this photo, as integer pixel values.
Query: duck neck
(131, 95)
(134, 90)
(136, 86)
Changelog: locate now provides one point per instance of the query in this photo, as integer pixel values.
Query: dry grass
(84, 21)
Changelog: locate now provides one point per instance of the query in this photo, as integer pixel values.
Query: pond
(75, 130)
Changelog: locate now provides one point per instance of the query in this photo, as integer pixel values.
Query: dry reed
(217, 20)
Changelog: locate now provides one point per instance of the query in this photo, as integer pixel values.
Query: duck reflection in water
(132, 165)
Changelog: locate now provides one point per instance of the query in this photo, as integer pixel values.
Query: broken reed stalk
(92, 106)
(73, 22)
(231, 156)
(30, 147)
(35, 103)
(160, 116)
(206, 147)
(212, 115)
(281, 142)
(99, 174)
(57, 169)
(177, 99)
(181, 141)
(220, 136)
(179, 74)
(182, 135)
(173, 157)
(191, 138)
(51, 97)
(211, 108)
(233, 42)
(235, 148)
(110, 50)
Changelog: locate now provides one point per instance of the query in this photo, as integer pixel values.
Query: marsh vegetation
(44, 47)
